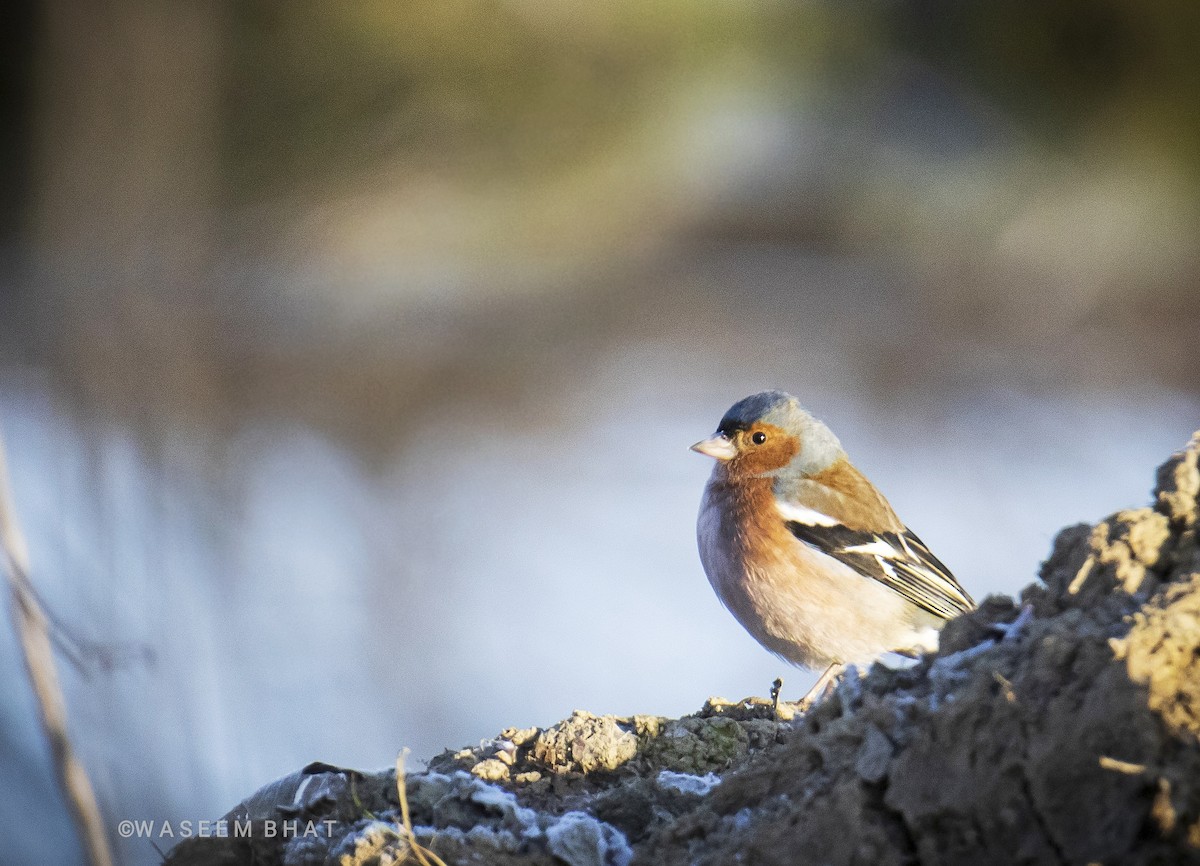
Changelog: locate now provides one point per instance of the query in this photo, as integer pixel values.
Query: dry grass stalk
(423, 855)
(33, 630)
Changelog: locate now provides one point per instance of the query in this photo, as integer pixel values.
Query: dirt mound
(1060, 728)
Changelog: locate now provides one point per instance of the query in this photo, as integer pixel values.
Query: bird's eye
(759, 438)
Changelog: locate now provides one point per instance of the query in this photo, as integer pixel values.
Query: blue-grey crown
(819, 449)
(772, 407)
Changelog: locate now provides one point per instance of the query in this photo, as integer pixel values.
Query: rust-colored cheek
(775, 453)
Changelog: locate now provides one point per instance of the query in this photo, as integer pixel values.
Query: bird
(806, 553)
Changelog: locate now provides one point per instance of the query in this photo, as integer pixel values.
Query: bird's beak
(720, 447)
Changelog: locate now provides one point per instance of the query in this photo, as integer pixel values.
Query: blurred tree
(1122, 72)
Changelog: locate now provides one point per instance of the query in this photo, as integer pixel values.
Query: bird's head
(770, 434)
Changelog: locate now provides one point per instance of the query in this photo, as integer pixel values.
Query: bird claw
(825, 684)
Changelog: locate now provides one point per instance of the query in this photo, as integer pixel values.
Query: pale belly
(805, 606)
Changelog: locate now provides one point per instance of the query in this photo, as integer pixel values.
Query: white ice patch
(945, 664)
(502, 840)
(948, 672)
(686, 783)
(517, 817)
(578, 839)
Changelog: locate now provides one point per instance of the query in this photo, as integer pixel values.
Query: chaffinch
(806, 553)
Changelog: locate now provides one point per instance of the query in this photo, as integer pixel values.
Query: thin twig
(424, 856)
(32, 628)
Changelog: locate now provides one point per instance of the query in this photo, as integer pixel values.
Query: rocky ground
(1063, 727)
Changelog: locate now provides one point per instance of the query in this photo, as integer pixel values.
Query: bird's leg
(822, 686)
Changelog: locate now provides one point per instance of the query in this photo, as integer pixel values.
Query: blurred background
(350, 353)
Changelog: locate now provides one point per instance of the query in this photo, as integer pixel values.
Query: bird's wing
(898, 560)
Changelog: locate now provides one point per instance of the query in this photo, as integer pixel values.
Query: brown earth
(1060, 728)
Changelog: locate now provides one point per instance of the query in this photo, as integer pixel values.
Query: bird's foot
(825, 684)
